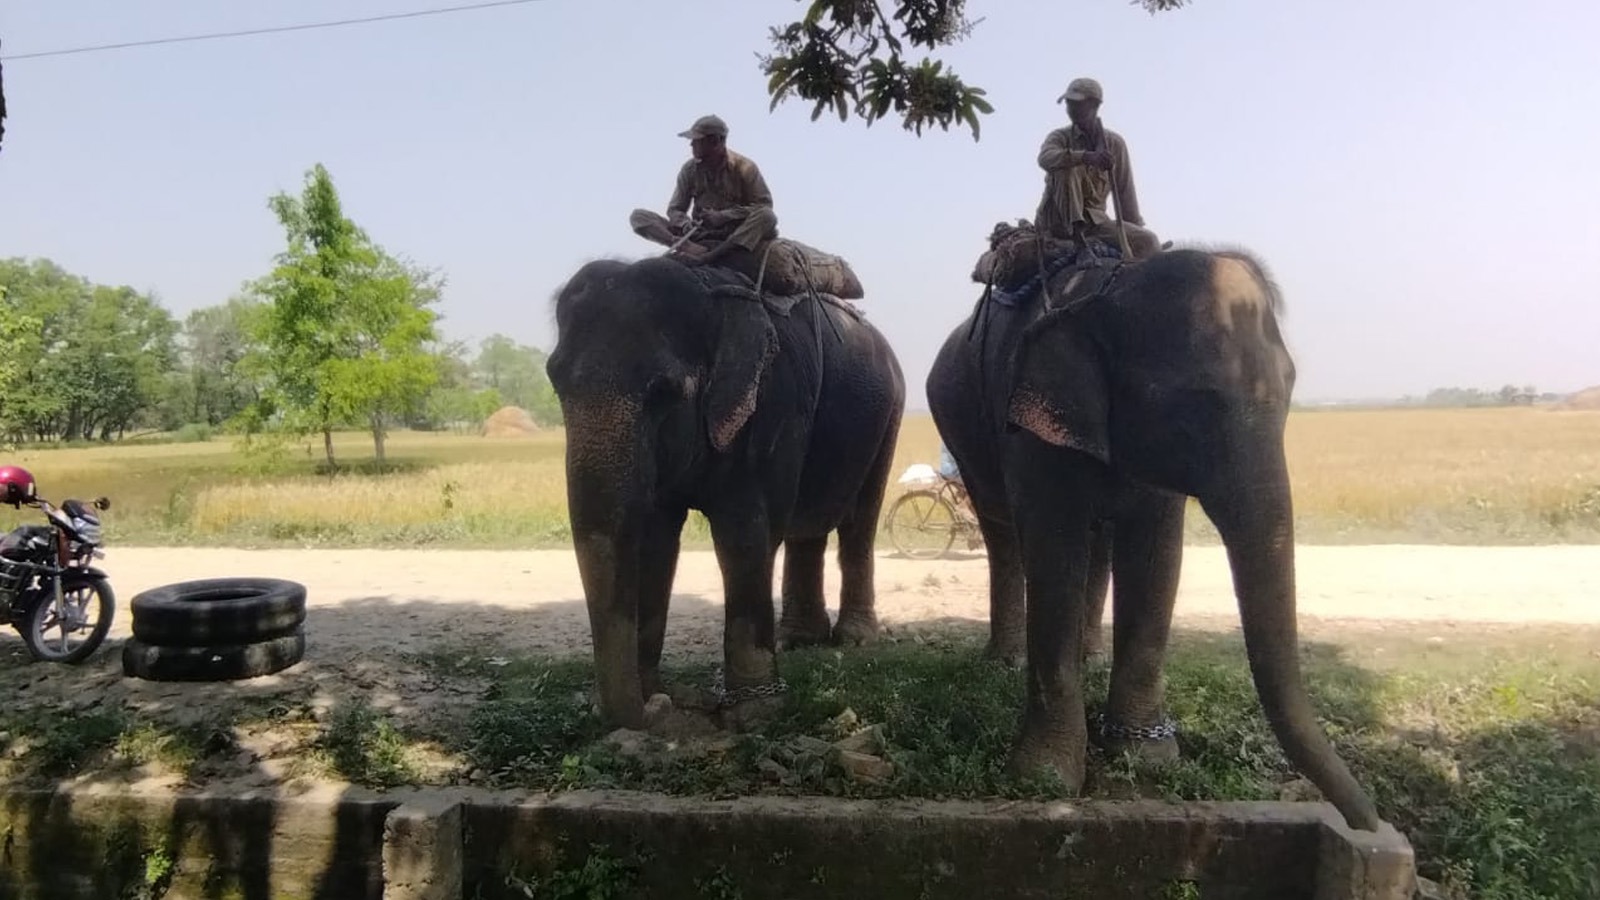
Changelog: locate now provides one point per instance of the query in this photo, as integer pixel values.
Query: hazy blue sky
(1420, 174)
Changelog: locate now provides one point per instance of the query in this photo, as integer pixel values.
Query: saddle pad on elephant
(795, 268)
(731, 283)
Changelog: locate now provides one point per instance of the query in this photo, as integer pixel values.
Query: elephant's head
(648, 362)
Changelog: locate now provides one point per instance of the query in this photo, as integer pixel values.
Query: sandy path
(533, 600)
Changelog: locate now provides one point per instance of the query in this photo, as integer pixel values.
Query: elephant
(1081, 424)
(777, 418)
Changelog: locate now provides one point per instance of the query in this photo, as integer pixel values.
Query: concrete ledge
(441, 845)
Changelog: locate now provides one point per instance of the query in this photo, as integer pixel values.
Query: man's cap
(1082, 89)
(706, 126)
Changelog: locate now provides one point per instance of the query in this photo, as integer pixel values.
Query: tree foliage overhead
(851, 55)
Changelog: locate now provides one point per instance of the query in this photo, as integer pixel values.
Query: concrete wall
(448, 844)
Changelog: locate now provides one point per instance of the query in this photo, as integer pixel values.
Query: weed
(718, 885)
(601, 877)
(365, 747)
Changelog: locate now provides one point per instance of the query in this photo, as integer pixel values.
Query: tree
(388, 371)
(86, 361)
(516, 372)
(344, 328)
(844, 54)
(216, 341)
(17, 333)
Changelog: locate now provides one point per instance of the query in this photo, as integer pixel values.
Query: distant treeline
(337, 334)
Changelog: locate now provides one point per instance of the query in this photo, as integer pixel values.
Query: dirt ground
(368, 610)
(533, 600)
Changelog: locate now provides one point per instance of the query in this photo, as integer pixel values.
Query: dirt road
(532, 600)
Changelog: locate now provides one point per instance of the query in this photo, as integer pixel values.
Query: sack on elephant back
(1013, 255)
(789, 261)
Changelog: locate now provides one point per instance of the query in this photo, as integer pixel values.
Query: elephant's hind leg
(805, 613)
(858, 535)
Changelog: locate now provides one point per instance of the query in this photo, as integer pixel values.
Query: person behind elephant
(732, 207)
(1085, 163)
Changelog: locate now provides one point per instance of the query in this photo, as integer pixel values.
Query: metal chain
(1166, 729)
(750, 692)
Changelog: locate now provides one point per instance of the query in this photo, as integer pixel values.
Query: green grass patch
(364, 747)
(1496, 779)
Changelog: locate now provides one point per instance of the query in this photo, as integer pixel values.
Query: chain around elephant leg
(748, 706)
(1157, 741)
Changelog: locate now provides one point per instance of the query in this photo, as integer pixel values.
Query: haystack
(509, 421)
(1588, 398)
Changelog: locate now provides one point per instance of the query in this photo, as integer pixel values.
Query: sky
(1422, 177)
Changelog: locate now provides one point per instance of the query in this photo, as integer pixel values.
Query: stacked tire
(216, 629)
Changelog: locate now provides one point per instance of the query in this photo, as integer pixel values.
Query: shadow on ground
(1455, 737)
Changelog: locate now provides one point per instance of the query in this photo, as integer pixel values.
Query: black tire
(222, 662)
(32, 629)
(217, 611)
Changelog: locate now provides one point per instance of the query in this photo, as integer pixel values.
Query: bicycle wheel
(922, 525)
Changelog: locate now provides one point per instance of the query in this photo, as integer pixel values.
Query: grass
(1484, 750)
(1505, 476)
(1494, 777)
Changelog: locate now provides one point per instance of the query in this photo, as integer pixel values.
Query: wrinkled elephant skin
(780, 428)
(1085, 425)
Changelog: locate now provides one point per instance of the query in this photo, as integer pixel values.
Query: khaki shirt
(735, 186)
(1063, 153)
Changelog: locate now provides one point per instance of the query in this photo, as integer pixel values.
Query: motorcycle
(47, 579)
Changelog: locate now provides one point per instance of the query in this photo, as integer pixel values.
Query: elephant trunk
(1257, 525)
(605, 501)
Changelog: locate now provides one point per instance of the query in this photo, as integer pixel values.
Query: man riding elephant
(1085, 163)
(732, 206)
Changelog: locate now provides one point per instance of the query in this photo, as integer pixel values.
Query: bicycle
(926, 520)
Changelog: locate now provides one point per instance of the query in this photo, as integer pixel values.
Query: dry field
(1484, 476)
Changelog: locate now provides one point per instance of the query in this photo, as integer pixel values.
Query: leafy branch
(849, 55)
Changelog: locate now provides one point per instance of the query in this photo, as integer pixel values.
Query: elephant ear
(1059, 391)
(746, 344)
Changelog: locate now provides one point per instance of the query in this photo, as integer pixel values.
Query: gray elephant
(777, 418)
(1080, 423)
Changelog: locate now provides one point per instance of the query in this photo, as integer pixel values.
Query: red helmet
(16, 485)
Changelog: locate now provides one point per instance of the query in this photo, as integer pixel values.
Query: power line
(273, 30)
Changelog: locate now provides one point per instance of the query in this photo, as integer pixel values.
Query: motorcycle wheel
(42, 617)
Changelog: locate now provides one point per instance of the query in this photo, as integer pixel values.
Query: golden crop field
(1492, 476)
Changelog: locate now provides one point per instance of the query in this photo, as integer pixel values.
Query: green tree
(86, 361)
(516, 372)
(850, 55)
(388, 326)
(345, 327)
(18, 334)
(215, 386)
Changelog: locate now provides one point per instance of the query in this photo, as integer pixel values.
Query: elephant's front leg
(1056, 495)
(658, 562)
(745, 550)
(1147, 557)
(609, 567)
